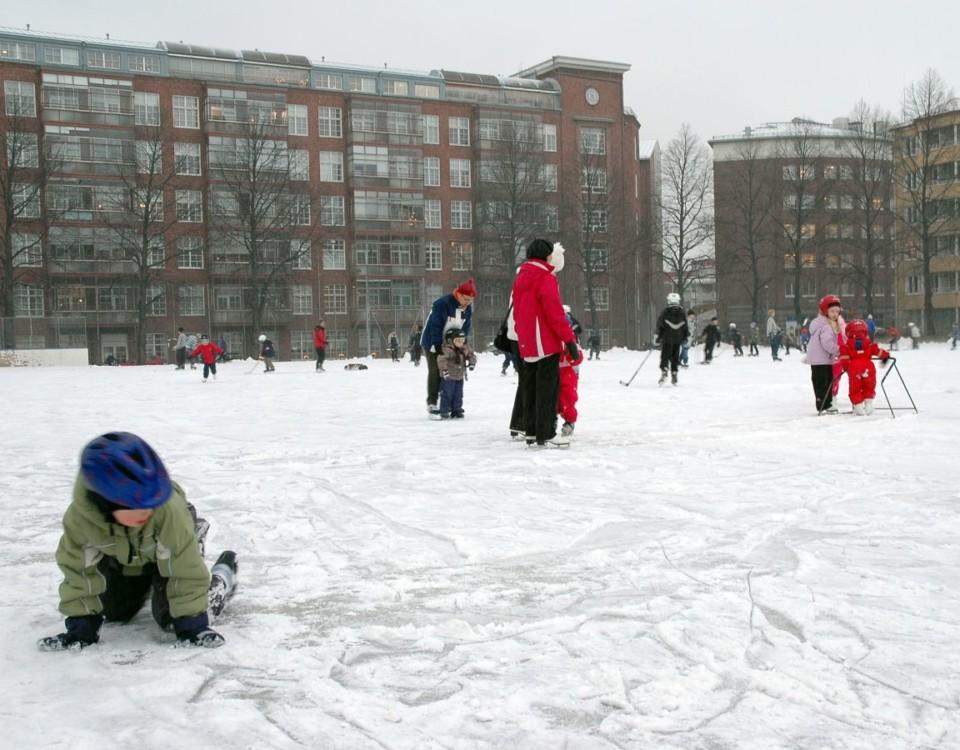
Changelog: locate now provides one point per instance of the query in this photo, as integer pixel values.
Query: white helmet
(262, 338)
(673, 298)
(566, 308)
(733, 325)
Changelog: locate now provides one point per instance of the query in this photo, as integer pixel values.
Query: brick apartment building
(803, 209)
(386, 201)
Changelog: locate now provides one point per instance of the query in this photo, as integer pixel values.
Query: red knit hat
(467, 288)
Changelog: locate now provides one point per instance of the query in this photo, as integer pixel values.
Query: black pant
(321, 356)
(211, 368)
(181, 358)
(541, 388)
(822, 377)
(754, 349)
(126, 595)
(670, 354)
(708, 351)
(517, 417)
(433, 379)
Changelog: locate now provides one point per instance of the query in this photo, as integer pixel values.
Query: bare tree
(745, 220)
(512, 197)
(263, 215)
(918, 180)
(23, 176)
(799, 151)
(685, 207)
(871, 192)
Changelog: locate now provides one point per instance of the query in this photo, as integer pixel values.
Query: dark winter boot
(663, 376)
(673, 377)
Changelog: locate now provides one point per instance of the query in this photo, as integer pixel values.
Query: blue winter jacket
(443, 309)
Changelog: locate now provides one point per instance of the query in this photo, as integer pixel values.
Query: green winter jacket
(167, 539)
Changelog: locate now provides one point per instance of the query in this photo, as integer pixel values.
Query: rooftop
(841, 127)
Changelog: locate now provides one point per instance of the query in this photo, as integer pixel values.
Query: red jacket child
(208, 351)
(855, 355)
(568, 395)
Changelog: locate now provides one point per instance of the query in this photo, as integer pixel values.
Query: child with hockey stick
(267, 353)
(128, 529)
(207, 351)
(856, 355)
(454, 359)
(568, 394)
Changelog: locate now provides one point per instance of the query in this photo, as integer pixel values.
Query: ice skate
(832, 409)
(859, 410)
(868, 406)
(223, 582)
(673, 378)
(567, 429)
(663, 377)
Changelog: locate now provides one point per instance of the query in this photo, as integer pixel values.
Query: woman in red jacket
(208, 352)
(543, 331)
(320, 344)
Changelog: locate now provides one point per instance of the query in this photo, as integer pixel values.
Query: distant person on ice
(823, 351)
(754, 339)
(856, 356)
(450, 311)
(207, 351)
(672, 331)
(736, 340)
(593, 341)
(267, 352)
(393, 343)
(454, 361)
(691, 339)
(130, 530)
(181, 349)
(320, 344)
(773, 334)
(711, 338)
(416, 350)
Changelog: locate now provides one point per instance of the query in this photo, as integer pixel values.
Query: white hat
(673, 298)
(262, 338)
(566, 308)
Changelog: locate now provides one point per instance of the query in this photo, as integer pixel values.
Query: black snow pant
(181, 358)
(518, 416)
(670, 355)
(541, 388)
(211, 368)
(321, 356)
(126, 595)
(433, 379)
(754, 350)
(708, 351)
(822, 377)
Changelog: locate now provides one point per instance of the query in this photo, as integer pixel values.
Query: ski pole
(628, 382)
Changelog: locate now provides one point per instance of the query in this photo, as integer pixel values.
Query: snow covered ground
(709, 566)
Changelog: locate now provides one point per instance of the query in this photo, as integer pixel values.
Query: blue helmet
(125, 471)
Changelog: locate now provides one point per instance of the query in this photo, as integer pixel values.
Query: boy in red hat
(856, 355)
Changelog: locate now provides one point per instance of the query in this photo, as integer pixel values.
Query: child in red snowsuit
(208, 352)
(567, 396)
(855, 356)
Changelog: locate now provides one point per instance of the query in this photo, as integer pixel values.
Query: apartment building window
(462, 254)
(846, 173)
(26, 201)
(593, 141)
(143, 63)
(26, 250)
(335, 299)
(597, 259)
(431, 171)
(431, 129)
(20, 99)
(190, 300)
(329, 81)
(829, 171)
(302, 253)
(595, 220)
(549, 137)
(461, 215)
(459, 128)
(426, 91)
(331, 166)
(190, 206)
(334, 255)
(61, 56)
(601, 298)
(550, 178)
(914, 283)
(362, 84)
(297, 119)
(157, 303)
(460, 173)
(332, 210)
(433, 256)
(23, 150)
(189, 252)
(186, 158)
(156, 252)
(146, 108)
(18, 51)
(396, 88)
(301, 300)
(432, 214)
(186, 112)
(28, 301)
(808, 287)
(299, 161)
(331, 122)
(300, 209)
(102, 59)
(551, 218)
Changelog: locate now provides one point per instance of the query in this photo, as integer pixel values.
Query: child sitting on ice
(128, 529)
(568, 395)
(856, 357)
(455, 358)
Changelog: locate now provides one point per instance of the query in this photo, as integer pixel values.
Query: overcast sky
(717, 65)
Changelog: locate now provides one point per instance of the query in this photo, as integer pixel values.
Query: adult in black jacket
(672, 331)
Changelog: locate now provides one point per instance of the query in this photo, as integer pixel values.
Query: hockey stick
(255, 365)
(628, 382)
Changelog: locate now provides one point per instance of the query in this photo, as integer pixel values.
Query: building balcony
(113, 317)
(388, 270)
(232, 317)
(118, 267)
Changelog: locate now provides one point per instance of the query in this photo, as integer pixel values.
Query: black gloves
(470, 367)
(196, 631)
(572, 350)
(81, 632)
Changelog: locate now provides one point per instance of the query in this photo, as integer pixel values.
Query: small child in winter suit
(207, 351)
(855, 356)
(454, 360)
(567, 396)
